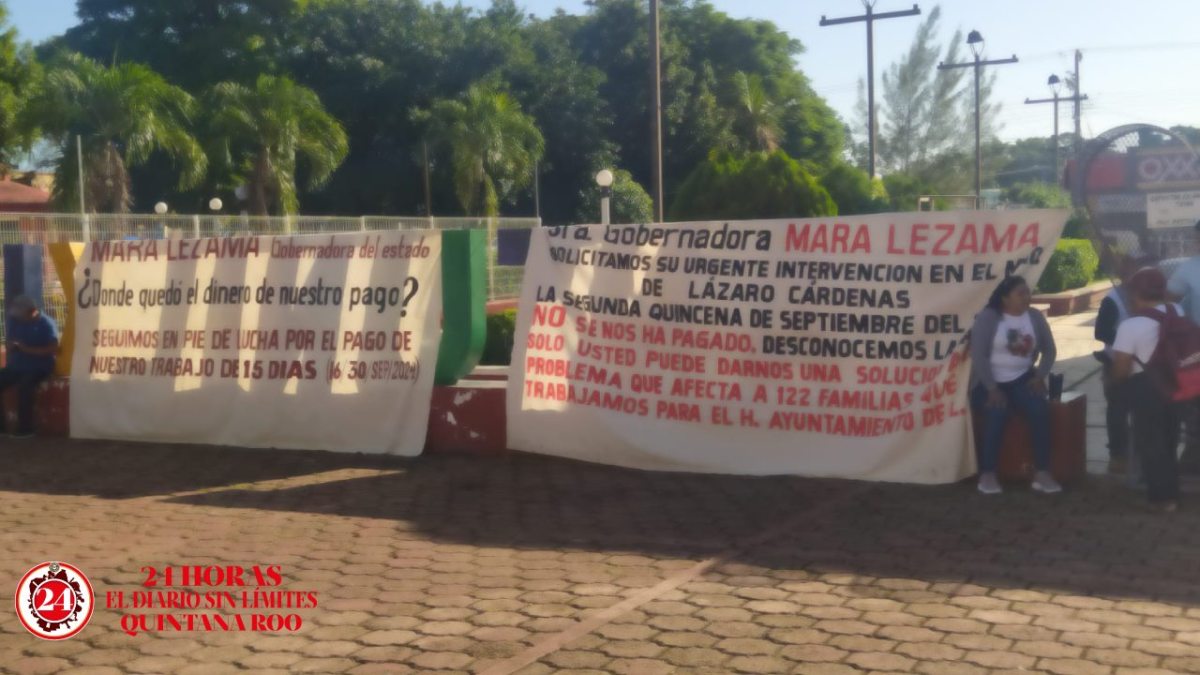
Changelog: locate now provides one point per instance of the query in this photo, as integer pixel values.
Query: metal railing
(504, 282)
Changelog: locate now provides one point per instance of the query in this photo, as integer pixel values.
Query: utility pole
(428, 190)
(84, 225)
(1078, 105)
(79, 158)
(537, 191)
(975, 40)
(656, 113)
(1055, 86)
(870, 18)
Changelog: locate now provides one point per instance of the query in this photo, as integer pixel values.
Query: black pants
(26, 384)
(1117, 417)
(1155, 437)
(1191, 427)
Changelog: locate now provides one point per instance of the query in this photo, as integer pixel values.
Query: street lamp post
(214, 205)
(656, 147)
(87, 230)
(1055, 85)
(975, 41)
(604, 178)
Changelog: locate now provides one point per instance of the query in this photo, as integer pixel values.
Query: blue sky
(1139, 60)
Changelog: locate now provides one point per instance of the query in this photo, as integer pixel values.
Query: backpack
(1175, 363)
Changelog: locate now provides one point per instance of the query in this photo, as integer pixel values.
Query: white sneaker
(988, 484)
(1043, 482)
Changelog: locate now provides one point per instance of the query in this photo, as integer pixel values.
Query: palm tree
(757, 116)
(493, 146)
(260, 131)
(124, 113)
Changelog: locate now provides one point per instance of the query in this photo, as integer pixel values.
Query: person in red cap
(1155, 416)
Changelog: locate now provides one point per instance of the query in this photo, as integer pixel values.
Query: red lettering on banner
(680, 412)
(690, 387)
(554, 315)
(537, 365)
(825, 238)
(956, 240)
(711, 339)
(619, 356)
(683, 363)
(841, 425)
(569, 393)
(606, 329)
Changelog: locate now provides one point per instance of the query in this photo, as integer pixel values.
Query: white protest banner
(322, 342)
(824, 347)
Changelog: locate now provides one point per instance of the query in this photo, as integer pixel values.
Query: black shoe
(21, 435)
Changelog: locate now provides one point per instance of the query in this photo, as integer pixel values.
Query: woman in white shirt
(1155, 419)
(1012, 353)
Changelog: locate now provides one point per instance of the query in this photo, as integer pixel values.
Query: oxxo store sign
(1173, 168)
(1171, 179)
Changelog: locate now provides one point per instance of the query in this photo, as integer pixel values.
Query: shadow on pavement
(536, 502)
(1095, 539)
(118, 470)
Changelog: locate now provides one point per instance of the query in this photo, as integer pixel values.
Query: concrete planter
(1084, 299)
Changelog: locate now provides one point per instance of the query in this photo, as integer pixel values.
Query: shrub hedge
(1073, 265)
(497, 350)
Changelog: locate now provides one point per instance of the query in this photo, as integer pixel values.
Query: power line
(1148, 47)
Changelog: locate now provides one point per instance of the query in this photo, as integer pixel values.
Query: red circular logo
(54, 600)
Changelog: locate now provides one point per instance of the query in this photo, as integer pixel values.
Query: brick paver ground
(534, 565)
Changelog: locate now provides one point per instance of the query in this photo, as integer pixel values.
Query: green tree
(124, 115)
(853, 191)
(904, 190)
(630, 203)
(758, 185)
(195, 43)
(561, 93)
(260, 132)
(581, 77)
(493, 146)
(1189, 134)
(702, 51)
(1025, 160)
(18, 71)
(920, 114)
(925, 115)
(1038, 195)
(350, 59)
(757, 118)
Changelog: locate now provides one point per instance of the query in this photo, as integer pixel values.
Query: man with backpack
(1151, 355)
(1184, 286)
(1114, 310)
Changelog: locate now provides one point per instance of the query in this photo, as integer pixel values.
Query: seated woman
(1007, 339)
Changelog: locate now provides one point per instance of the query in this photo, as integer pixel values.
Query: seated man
(32, 345)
